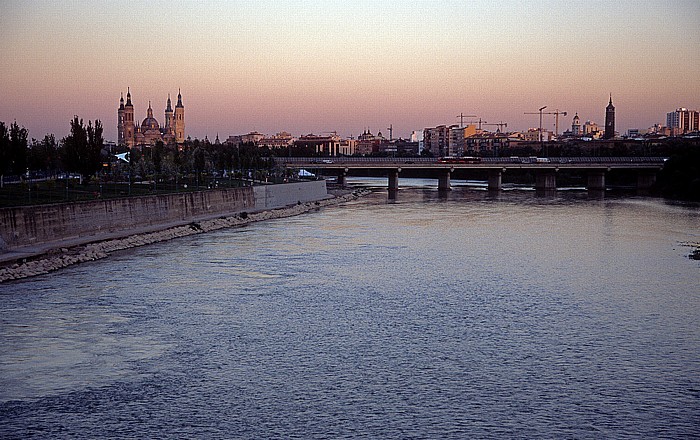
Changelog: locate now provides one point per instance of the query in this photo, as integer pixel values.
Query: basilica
(149, 132)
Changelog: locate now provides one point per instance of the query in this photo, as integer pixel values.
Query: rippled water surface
(463, 316)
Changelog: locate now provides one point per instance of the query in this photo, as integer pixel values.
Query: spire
(179, 99)
(121, 101)
(150, 110)
(128, 96)
(610, 104)
(168, 108)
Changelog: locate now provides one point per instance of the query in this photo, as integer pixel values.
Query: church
(149, 132)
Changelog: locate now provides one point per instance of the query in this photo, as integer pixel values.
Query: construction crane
(500, 125)
(461, 117)
(479, 121)
(556, 114)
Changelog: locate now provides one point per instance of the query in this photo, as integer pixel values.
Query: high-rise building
(435, 140)
(609, 120)
(683, 121)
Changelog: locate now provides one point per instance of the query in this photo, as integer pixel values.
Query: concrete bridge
(545, 169)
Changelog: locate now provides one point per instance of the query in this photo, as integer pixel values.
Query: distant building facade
(149, 132)
(322, 145)
(368, 143)
(533, 135)
(682, 121)
(591, 130)
(491, 144)
(435, 140)
(280, 140)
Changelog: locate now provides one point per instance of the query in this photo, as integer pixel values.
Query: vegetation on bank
(81, 166)
(680, 178)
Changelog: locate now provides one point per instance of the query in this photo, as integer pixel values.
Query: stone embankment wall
(63, 257)
(87, 221)
(277, 196)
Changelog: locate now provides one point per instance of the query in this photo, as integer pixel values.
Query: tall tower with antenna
(609, 120)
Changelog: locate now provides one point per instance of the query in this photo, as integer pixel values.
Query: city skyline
(312, 67)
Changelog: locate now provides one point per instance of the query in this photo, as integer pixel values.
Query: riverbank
(60, 257)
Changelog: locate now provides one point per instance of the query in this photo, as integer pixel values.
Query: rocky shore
(64, 257)
(695, 254)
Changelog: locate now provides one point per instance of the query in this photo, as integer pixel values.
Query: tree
(5, 156)
(18, 146)
(43, 155)
(157, 152)
(13, 149)
(82, 148)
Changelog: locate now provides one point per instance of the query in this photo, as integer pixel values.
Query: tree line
(83, 152)
(79, 152)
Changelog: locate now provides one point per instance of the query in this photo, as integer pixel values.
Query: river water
(425, 316)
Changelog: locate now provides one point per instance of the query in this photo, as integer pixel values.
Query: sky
(345, 66)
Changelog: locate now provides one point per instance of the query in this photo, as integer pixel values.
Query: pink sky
(318, 66)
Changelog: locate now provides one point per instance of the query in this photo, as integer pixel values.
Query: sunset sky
(319, 66)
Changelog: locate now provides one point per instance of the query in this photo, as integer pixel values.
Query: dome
(149, 123)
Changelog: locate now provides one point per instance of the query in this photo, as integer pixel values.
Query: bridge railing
(485, 160)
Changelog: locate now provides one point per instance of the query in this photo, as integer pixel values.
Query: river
(427, 316)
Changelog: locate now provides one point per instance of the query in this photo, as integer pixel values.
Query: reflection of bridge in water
(545, 169)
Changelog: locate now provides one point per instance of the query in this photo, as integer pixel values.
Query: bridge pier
(342, 178)
(596, 180)
(393, 180)
(444, 181)
(645, 179)
(495, 180)
(546, 180)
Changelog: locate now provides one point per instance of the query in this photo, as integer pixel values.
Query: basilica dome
(150, 122)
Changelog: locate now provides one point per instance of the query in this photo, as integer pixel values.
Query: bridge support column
(546, 180)
(495, 180)
(444, 181)
(393, 180)
(596, 180)
(645, 179)
(342, 178)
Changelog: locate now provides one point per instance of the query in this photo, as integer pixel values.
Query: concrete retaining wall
(87, 221)
(277, 196)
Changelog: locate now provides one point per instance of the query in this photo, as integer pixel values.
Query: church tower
(576, 126)
(169, 126)
(609, 120)
(120, 121)
(179, 120)
(129, 127)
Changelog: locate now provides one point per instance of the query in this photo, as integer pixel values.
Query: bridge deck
(653, 163)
